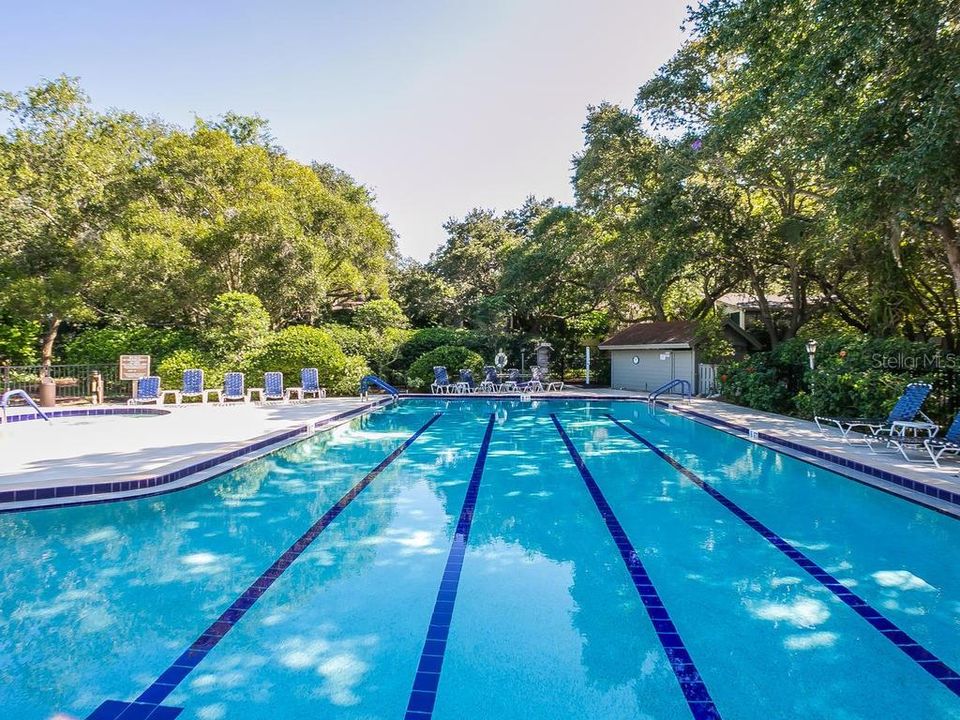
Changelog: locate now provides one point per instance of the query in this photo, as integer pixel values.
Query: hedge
(452, 357)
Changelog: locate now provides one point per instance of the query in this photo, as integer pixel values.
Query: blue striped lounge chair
(535, 383)
(273, 386)
(467, 384)
(310, 383)
(491, 382)
(936, 447)
(906, 409)
(148, 391)
(234, 387)
(192, 386)
(441, 381)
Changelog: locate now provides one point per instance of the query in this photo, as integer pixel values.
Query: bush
(427, 339)
(854, 376)
(297, 347)
(351, 340)
(101, 346)
(349, 384)
(19, 341)
(236, 326)
(452, 357)
(378, 315)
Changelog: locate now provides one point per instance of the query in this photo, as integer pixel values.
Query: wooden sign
(133, 367)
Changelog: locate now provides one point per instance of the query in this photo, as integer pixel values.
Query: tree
(62, 166)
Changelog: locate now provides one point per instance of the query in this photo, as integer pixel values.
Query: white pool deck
(71, 451)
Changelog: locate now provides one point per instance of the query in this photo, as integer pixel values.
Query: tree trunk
(49, 337)
(951, 246)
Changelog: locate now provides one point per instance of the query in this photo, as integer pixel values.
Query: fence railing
(707, 380)
(73, 381)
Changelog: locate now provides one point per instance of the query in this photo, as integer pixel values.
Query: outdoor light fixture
(812, 352)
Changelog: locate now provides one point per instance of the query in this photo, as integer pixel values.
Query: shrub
(378, 315)
(100, 346)
(236, 326)
(452, 357)
(349, 384)
(297, 347)
(19, 341)
(351, 340)
(427, 339)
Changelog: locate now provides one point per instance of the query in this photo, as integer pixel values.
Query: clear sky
(439, 106)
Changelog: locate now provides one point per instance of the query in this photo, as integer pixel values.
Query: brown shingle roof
(653, 333)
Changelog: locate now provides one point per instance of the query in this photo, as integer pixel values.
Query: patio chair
(535, 383)
(904, 411)
(441, 382)
(512, 382)
(273, 388)
(148, 391)
(467, 384)
(193, 386)
(310, 383)
(234, 388)
(935, 446)
(490, 382)
(540, 374)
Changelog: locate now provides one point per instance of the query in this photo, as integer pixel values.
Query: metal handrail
(686, 389)
(5, 400)
(369, 380)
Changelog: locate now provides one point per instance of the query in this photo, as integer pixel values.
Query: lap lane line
(691, 683)
(910, 647)
(427, 680)
(147, 705)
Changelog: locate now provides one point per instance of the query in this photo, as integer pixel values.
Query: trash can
(48, 392)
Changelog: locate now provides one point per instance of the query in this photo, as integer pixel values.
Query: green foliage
(712, 343)
(236, 326)
(378, 315)
(104, 346)
(19, 341)
(854, 377)
(452, 357)
(352, 340)
(427, 339)
(299, 346)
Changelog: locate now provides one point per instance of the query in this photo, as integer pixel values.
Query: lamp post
(812, 353)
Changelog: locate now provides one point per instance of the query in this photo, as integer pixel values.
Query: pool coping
(189, 474)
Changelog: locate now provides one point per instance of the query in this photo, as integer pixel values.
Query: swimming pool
(489, 559)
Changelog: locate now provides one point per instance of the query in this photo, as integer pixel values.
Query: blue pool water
(481, 559)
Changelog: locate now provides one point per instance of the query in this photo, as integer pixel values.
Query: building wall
(651, 372)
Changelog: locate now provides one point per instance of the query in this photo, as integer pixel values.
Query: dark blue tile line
(691, 684)
(910, 647)
(23, 417)
(193, 655)
(915, 485)
(425, 683)
(86, 489)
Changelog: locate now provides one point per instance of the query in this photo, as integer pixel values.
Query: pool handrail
(369, 380)
(686, 389)
(5, 400)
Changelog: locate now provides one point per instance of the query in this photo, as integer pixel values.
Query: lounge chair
(467, 384)
(273, 388)
(234, 388)
(441, 382)
(935, 446)
(148, 391)
(310, 383)
(193, 386)
(491, 382)
(905, 410)
(540, 375)
(512, 382)
(534, 384)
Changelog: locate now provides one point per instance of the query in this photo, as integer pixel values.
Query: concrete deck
(71, 450)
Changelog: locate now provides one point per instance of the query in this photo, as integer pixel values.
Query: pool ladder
(686, 389)
(5, 400)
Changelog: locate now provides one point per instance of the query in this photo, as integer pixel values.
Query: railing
(73, 381)
(373, 380)
(684, 385)
(5, 400)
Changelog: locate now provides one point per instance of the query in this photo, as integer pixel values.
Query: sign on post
(134, 367)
